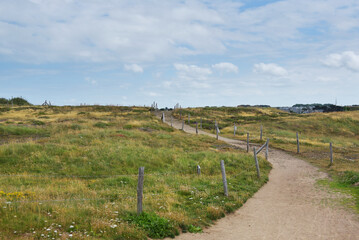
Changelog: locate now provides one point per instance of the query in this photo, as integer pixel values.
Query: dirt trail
(289, 206)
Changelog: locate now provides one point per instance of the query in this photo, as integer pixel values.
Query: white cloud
(134, 68)
(270, 68)
(153, 94)
(226, 67)
(192, 69)
(153, 31)
(347, 59)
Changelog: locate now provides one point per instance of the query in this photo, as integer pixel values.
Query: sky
(195, 53)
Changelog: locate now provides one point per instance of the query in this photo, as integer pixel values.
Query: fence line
(141, 176)
(93, 177)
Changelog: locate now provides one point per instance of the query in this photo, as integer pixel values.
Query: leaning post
(267, 148)
(224, 179)
(247, 142)
(256, 162)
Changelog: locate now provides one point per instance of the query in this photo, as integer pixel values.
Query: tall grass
(78, 177)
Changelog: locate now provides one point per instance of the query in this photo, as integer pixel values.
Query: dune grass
(315, 131)
(72, 172)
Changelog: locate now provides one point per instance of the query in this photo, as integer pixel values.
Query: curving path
(290, 206)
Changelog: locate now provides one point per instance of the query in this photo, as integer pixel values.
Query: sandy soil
(290, 206)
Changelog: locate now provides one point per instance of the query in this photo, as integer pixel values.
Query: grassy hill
(315, 130)
(72, 171)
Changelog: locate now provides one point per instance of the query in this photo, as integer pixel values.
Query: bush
(349, 177)
(19, 101)
(16, 101)
(37, 122)
(154, 225)
(101, 125)
(3, 101)
(194, 229)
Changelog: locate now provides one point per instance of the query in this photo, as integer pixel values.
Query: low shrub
(101, 125)
(154, 225)
(349, 177)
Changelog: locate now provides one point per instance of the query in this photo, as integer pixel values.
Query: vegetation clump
(154, 225)
(19, 101)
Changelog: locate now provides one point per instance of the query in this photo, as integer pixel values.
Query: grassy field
(72, 172)
(315, 130)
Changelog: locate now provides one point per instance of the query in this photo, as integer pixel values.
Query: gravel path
(290, 206)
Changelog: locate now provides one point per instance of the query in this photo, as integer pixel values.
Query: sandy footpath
(290, 206)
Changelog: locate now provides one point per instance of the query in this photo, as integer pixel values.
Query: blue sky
(196, 53)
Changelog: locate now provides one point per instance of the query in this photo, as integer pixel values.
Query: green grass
(81, 178)
(315, 130)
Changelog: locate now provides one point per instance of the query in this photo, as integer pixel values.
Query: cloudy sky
(196, 53)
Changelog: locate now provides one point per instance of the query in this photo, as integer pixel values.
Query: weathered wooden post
(141, 173)
(182, 125)
(163, 117)
(247, 142)
(331, 153)
(197, 128)
(297, 143)
(217, 130)
(267, 147)
(234, 130)
(261, 132)
(256, 161)
(198, 170)
(224, 179)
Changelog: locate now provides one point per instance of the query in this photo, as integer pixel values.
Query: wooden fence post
(217, 132)
(224, 179)
(297, 143)
(163, 117)
(331, 153)
(198, 170)
(261, 132)
(197, 128)
(256, 161)
(234, 130)
(141, 172)
(267, 146)
(247, 142)
(183, 125)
